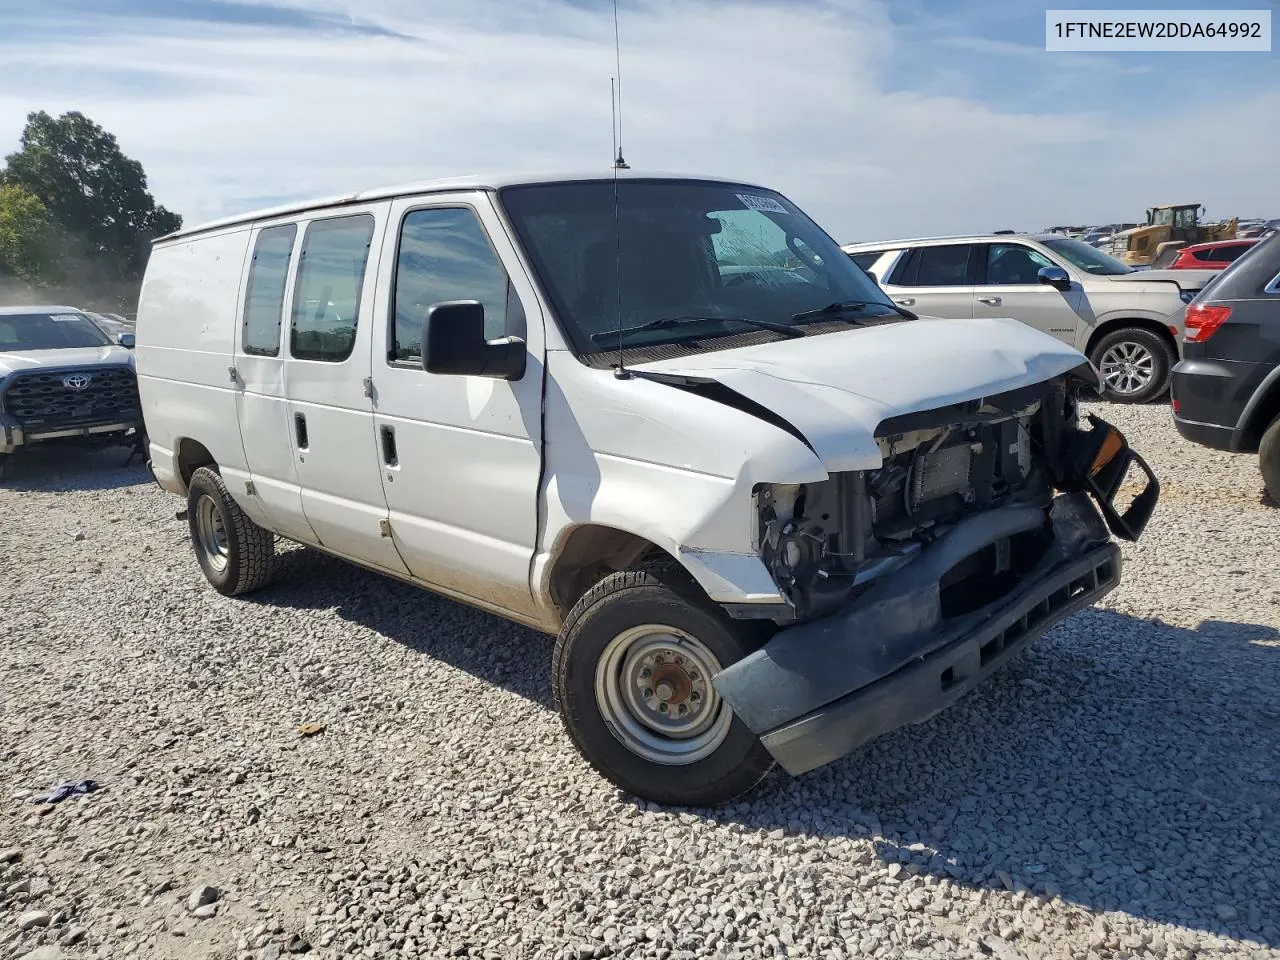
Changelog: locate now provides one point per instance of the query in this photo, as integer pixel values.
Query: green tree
(30, 241)
(92, 190)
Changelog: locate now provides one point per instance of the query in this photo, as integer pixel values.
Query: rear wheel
(1269, 459)
(632, 673)
(1133, 364)
(233, 551)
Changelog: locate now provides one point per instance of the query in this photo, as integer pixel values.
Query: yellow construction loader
(1168, 227)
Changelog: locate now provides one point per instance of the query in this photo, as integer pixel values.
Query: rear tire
(1133, 364)
(234, 552)
(1269, 459)
(631, 673)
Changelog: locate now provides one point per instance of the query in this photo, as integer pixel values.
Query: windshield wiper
(848, 306)
(665, 323)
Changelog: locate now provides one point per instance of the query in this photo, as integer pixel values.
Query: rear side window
(444, 255)
(941, 266)
(1228, 254)
(1203, 255)
(866, 260)
(326, 297)
(264, 296)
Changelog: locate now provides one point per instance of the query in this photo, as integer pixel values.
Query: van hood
(14, 361)
(835, 389)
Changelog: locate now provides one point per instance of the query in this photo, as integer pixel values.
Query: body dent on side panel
(665, 465)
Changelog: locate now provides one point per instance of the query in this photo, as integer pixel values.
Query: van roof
(473, 182)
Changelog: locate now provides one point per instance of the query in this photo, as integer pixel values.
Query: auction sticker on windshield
(65, 318)
(764, 204)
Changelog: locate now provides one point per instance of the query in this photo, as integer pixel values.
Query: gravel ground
(1113, 793)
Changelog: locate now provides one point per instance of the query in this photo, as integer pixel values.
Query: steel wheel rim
(211, 533)
(654, 691)
(1127, 367)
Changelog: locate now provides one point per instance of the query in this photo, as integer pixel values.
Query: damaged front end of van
(987, 522)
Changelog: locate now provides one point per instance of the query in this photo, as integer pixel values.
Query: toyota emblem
(77, 381)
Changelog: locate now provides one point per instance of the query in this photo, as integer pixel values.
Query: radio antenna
(618, 164)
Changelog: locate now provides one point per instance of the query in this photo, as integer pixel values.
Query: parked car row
(1123, 320)
(64, 378)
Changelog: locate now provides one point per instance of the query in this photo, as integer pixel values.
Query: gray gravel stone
(34, 918)
(202, 895)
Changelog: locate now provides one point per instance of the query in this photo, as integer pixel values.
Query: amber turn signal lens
(1112, 444)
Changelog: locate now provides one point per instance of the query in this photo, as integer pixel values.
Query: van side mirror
(1054, 277)
(453, 344)
(125, 340)
(874, 278)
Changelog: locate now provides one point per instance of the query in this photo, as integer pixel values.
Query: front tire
(1269, 459)
(1133, 364)
(234, 552)
(632, 674)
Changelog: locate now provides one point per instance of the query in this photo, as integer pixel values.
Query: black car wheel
(1269, 459)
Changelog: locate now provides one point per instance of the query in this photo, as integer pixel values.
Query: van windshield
(49, 331)
(722, 254)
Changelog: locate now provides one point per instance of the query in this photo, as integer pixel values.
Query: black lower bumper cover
(821, 689)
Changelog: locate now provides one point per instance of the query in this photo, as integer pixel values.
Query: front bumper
(13, 435)
(820, 689)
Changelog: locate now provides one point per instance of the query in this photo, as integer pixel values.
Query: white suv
(1125, 321)
(769, 515)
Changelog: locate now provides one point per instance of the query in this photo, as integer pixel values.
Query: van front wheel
(233, 551)
(632, 673)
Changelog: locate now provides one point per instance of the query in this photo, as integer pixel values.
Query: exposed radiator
(941, 473)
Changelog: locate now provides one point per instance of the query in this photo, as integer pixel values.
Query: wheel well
(1142, 323)
(1261, 417)
(192, 455)
(589, 554)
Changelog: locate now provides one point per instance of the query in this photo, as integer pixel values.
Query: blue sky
(880, 118)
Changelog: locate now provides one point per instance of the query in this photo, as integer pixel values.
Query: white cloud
(791, 94)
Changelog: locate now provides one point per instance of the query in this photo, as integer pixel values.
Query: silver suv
(1126, 321)
(63, 378)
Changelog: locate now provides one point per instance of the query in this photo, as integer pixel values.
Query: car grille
(45, 400)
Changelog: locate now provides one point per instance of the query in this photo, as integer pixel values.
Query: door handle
(994, 301)
(300, 430)
(904, 301)
(388, 435)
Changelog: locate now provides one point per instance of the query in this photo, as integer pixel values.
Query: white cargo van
(770, 514)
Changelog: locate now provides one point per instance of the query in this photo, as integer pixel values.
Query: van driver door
(460, 456)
